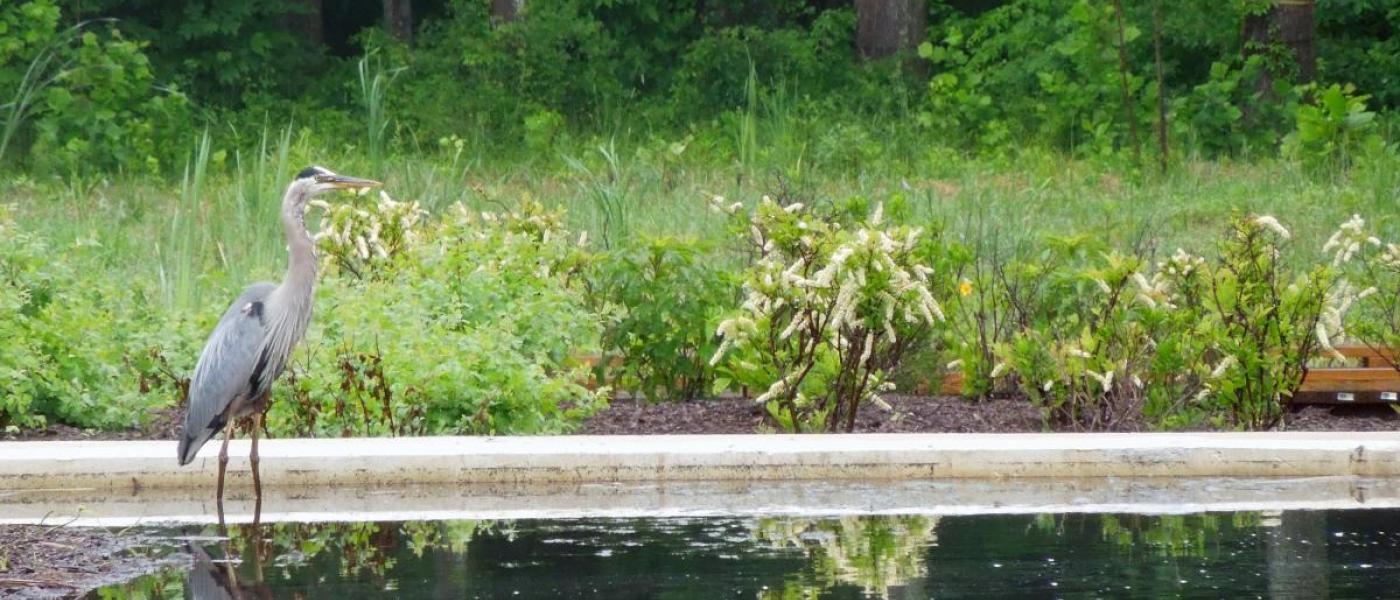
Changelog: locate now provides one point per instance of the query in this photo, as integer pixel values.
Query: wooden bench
(1373, 381)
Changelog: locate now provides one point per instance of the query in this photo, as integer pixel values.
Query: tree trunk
(1296, 21)
(506, 11)
(1291, 23)
(304, 18)
(1162, 147)
(1129, 114)
(1297, 555)
(1255, 35)
(886, 27)
(398, 19)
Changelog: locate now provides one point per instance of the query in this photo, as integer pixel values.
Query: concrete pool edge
(691, 499)
(135, 465)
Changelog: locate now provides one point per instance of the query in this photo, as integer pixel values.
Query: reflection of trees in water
(360, 549)
(1192, 535)
(167, 583)
(1297, 554)
(874, 553)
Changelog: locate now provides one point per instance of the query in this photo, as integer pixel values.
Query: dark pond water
(1341, 554)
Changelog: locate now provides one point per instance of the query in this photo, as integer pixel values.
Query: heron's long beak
(348, 183)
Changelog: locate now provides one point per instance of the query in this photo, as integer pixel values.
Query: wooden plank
(1352, 379)
(951, 384)
(1375, 357)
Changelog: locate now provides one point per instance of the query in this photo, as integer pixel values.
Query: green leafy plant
(75, 351)
(1098, 346)
(828, 312)
(475, 330)
(32, 39)
(607, 189)
(1075, 358)
(88, 93)
(375, 83)
(543, 129)
(1333, 129)
(1266, 323)
(666, 291)
(1224, 341)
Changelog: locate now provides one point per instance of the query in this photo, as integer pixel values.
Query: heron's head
(314, 181)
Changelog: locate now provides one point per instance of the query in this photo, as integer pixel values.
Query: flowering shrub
(1264, 324)
(357, 241)
(1375, 299)
(473, 331)
(1088, 358)
(1226, 340)
(828, 312)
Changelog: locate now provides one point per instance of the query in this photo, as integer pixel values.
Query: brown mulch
(1364, 417)
(909, 414)
(919, 414)
(51, 561)
(165, 425)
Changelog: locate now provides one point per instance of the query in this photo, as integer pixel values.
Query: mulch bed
(909, 414)
(51, 561)
(165, 425)
(921, 414)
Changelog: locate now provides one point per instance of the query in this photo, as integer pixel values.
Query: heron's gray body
(247, 351)
(253, 341)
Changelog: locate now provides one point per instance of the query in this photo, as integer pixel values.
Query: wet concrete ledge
(136, 465)
(685, 499)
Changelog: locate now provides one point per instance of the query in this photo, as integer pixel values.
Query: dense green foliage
(99, 82)
(144, 146)
(1106, 342)
(660, 296)
(89, 353)
(474, 329)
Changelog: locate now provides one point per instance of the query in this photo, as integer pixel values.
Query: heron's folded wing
(227, 366)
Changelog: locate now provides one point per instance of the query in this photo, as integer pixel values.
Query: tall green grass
(216, 230)
(42, 71)
(375, 82)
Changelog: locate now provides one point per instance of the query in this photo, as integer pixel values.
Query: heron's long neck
(300, 282)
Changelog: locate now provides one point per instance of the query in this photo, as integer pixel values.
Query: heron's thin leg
(223, 465)
(257, 540)
(253, 461)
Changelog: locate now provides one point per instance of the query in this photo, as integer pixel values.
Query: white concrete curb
(687, 499)
(131, 466)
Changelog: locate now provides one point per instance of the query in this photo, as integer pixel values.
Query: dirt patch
(58, 562)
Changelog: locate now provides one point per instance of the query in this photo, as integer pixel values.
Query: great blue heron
(250, 346)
